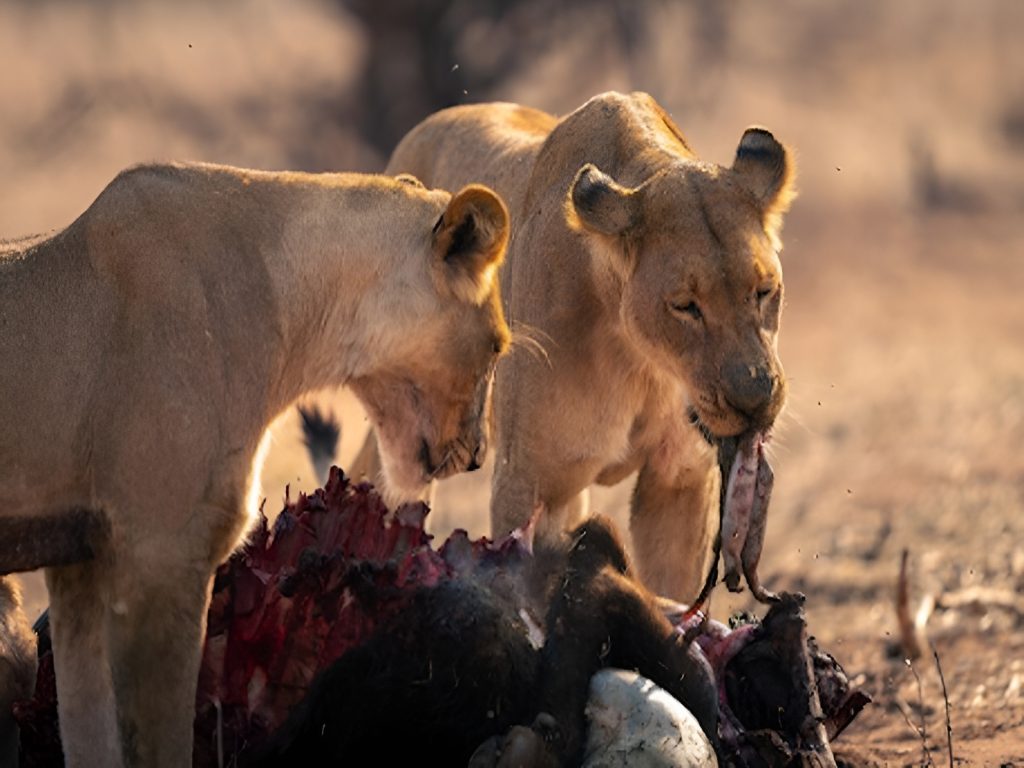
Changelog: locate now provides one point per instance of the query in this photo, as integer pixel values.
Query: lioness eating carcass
(147, 347)
(653, 282)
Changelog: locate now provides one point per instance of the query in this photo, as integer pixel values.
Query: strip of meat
(746, 489)
(751, 555)
(739, 503)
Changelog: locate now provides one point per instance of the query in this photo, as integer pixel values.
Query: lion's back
(124, 274)
(493, 144)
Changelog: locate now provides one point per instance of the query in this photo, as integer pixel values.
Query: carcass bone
(766, 723)
(339, 568)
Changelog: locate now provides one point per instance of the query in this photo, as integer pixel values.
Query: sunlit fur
(153, 341)
(17, 666)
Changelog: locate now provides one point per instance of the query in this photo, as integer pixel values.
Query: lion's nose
(749, 388)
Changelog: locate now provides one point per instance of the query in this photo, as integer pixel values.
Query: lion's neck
(321, 275)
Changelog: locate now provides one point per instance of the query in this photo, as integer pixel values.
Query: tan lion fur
(652, 280)
(146, 349)
(17, 666)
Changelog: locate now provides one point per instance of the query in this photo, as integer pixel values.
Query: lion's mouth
(715, 426)
(455, 458)
(716, 419)
(430, 469)
(699, 425)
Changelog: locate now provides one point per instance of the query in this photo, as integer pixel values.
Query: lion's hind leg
(17, 665)
(367, 464)
(85, 695)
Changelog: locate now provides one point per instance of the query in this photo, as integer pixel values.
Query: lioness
(17, 667)
(145, 350)
(652, 279)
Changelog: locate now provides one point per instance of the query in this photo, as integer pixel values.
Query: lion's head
(695, 249)
(428, 393)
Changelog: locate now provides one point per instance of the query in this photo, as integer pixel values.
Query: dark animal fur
(456, 669)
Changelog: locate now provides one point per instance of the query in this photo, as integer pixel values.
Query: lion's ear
(767, 170)
(470, 240)
(600, 204)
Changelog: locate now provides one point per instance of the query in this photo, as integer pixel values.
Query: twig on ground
(905, 710)
(982, 598)
(923, 730)
(909, 643)
(945, 698)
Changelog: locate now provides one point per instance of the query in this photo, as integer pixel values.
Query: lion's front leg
(513, 498)
(156, 621)
(85, 696)
(673, 521)
(516, 498)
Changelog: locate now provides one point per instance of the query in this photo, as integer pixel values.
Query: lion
(17, 666)
(652, 280)
(146, 349)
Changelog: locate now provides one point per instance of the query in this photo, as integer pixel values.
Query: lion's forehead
(700, 211)
(751, 258)
(730, 249)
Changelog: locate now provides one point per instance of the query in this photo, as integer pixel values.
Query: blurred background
(903, 334)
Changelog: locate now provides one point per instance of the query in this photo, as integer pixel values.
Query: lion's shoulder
(141, 195)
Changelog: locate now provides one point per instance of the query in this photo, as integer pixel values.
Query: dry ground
(904, 323)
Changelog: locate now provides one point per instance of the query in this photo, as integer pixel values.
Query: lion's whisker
(523, 337)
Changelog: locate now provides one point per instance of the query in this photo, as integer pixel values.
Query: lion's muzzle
(755, 391)
(477, 459)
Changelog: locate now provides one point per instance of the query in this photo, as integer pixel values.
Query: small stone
(1012, 692)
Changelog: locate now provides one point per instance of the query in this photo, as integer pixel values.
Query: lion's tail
(321, 433)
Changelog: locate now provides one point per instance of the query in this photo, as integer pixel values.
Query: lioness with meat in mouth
(653, 281)
(145, 350)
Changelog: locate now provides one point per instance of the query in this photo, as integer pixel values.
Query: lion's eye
(763, 294)
(688, 308)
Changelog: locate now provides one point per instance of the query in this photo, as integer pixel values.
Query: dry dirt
(903, 334)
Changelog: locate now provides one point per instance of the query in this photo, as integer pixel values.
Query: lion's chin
(716, 425)
(411, 465)
(402, 484)
(406, 475)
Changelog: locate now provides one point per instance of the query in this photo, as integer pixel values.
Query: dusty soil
(902, 334)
